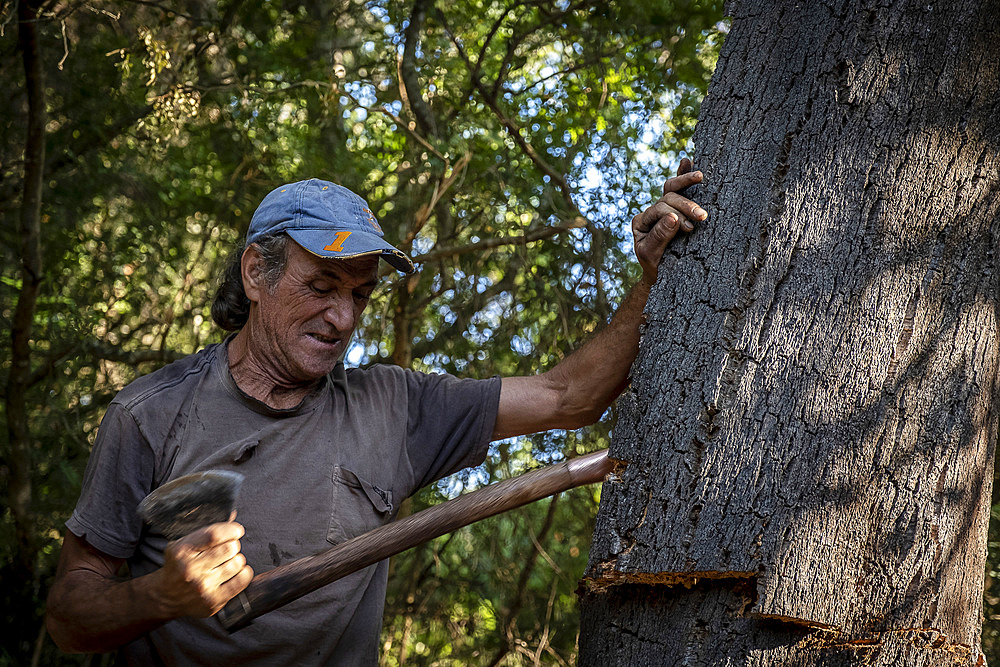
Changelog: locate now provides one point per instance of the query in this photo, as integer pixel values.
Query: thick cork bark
(808, 438)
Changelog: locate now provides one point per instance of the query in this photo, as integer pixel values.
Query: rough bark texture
(809, 434)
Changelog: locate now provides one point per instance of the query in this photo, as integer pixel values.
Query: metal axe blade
(188, 503)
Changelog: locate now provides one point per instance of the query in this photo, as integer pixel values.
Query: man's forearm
(88, 613)
(578, 390)
(594, 375)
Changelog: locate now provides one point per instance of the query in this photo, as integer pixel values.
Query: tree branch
(400, 122)
(101, 350)
(474, 74)
(458, 328)
(408, 68)
(512, 129)
(440, 188)
(524, 239)
(98, 350)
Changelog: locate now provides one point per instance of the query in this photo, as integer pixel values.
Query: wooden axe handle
(285, 583)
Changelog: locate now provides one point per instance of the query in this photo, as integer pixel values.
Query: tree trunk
(808, 438)
(19, 492)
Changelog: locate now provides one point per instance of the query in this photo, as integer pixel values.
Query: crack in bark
(707, 419)
(734, 363)
(616, 472)
(903, 340)
(906, 330)
(799, 622)
(628, 539)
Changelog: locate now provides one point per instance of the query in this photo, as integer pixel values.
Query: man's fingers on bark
(636, 228)
(684, 205)
(684, 167)
(665, 229)
(649, 216)
(652, 246)
(648, 219)
(678, 183)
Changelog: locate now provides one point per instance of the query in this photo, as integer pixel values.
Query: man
(328, 452)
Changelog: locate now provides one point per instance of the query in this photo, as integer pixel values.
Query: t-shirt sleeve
(450, 423)
(119, 474)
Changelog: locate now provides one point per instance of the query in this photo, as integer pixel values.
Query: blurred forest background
(504, 144)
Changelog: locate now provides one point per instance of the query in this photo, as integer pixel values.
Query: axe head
(191, 502)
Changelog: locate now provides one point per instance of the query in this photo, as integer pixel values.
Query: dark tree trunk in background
(18, 464)
(808, 438)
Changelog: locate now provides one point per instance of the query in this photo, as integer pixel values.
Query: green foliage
(509, 160)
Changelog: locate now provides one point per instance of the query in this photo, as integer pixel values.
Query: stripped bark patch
(607, 576)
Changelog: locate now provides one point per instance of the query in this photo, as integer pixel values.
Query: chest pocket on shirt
(358, 506)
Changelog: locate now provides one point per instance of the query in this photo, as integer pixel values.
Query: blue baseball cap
(326, 219)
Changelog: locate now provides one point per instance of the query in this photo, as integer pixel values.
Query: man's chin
(320, 367)
(320, 357)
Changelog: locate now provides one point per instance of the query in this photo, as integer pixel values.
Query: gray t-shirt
(332, 468)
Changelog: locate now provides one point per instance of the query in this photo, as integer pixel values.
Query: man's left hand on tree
(657, 225)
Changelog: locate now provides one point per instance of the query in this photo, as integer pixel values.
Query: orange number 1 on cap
(338, 243)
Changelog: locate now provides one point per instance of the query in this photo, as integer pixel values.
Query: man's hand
(203, 571)
(656, 226)
(91, 610)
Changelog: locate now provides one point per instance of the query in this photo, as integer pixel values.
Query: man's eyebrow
(341, 273)
(333, 275)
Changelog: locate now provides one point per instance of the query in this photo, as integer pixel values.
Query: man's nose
(340, 312)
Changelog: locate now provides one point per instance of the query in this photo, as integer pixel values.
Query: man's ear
(251, 268)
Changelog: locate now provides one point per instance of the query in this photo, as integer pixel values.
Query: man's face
(302, 326)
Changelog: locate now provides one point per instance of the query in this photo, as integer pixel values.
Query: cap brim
(348, 244)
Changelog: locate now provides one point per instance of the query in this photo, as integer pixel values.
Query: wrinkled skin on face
(299, 328)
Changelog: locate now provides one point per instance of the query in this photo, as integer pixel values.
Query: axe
(283, 584)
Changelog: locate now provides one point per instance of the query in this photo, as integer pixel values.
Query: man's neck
(256, 379)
